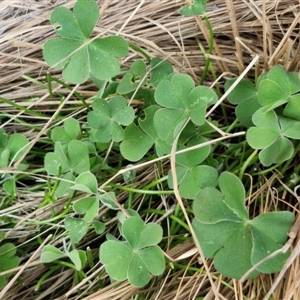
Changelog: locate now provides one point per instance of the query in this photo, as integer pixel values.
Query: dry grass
(242, 29)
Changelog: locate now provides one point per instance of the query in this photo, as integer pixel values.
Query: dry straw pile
(242, 29)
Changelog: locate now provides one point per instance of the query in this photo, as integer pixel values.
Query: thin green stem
(210, 49)
(139, 50)
(250, 160)
(45, 276)
(172, 217)
(22, 108)
(138, 191)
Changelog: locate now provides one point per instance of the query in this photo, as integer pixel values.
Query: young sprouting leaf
(181, 100)
(225, 232)
(51, 253)
(86, 182)
(77, 228)
(109, 200)
(70, 131)
(271, 135)
(197, 7)
(139, 139)
(108, 117)
(78, 258)
(245, 96)
(130, 175)
(8, 260)
(139, 252)
(65, 185)
(74, 52)
(190, 175)
(88, 206)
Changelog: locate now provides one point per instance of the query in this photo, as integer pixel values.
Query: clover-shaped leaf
(78, 157)
(67, 160)
(197, 7)
(190, 175)
(70, 131)
(11, 147)
(108, 117)
(139, 139)
(98, 226)
(225, 232)
(8, 260)
(132, 79)
(279, 87)
(138, 256)
(292, 109)
(271, 135)
(72, 157)
(86, 182)
(74, 52)
(181, 100)
(51, 253)
(88, 206)
(109, 200)
(77, 228)
(245, 96)
(133, 136)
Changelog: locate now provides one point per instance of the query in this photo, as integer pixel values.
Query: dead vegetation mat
(242, 29)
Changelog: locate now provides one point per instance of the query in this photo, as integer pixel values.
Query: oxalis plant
(173, 108)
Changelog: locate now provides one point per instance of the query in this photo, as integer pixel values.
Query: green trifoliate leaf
(225, 232)
(139, 139)
(244, 95)
(180, 100)
(70, 131)
(271, 135)
(108, 117)
(75, 53)
(139, 252)
(277, 87)
(86, 182)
